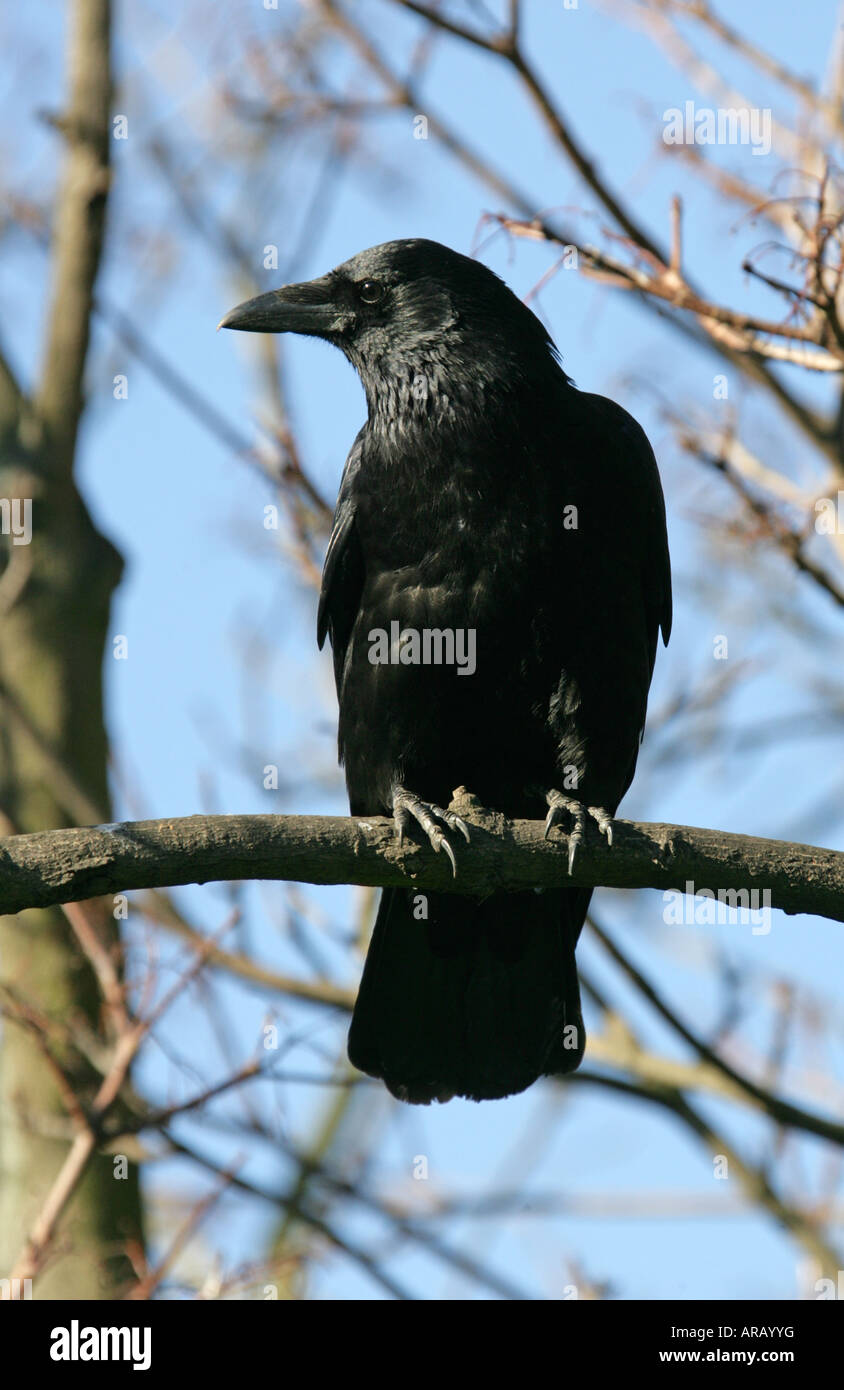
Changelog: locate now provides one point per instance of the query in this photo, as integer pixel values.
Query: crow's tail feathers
(465, 998)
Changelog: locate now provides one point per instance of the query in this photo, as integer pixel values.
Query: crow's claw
(426, 814)
(441, 843)
(457, 823)
(560, 805)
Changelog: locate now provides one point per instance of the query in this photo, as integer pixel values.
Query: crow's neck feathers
(455, 377)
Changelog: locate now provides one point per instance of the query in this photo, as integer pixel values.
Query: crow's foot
(560, 805)
(406, 805)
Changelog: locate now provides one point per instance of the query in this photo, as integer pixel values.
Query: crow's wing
(657, 567)
(344, 569)
(637, 488)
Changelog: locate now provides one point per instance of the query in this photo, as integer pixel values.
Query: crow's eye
(370, 291)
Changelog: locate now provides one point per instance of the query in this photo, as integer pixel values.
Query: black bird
(485, 500)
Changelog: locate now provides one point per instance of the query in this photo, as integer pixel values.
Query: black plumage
(484, 494)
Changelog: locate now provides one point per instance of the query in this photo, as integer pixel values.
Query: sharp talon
(444, 845)
(575, 839)
(425, 813)
(603, 820)
(578, 813)
(553, 817)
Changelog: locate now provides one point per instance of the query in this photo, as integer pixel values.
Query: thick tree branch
(57, 866)
(79, 225)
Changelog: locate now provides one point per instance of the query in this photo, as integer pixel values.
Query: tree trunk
(55, 598)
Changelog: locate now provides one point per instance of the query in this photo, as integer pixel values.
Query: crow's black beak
(308, 308)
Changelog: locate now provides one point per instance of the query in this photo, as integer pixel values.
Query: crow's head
(407, 310)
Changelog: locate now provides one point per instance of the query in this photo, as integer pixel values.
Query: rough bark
(65, 865)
